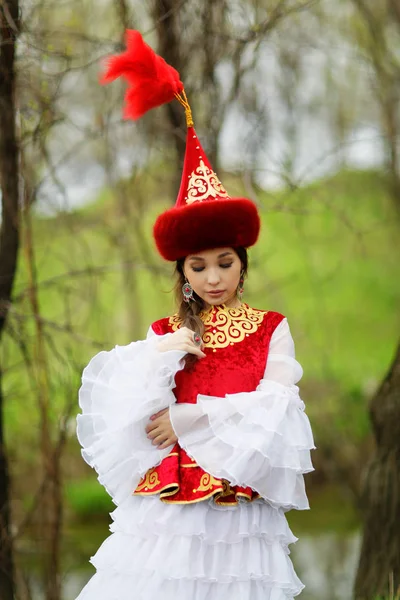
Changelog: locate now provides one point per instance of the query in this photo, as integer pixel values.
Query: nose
(213, 277)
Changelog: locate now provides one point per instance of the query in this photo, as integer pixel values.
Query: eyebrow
(201, 258)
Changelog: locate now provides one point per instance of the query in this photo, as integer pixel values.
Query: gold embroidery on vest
(203, 183)
(207, 481)
(149, 481)
(175, 322)
(226, 326)
(227, 490)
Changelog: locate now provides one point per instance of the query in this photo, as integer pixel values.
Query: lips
(216, 292)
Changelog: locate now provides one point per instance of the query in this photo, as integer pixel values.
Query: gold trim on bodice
(225, 326)
(207, 482)
(149, 481)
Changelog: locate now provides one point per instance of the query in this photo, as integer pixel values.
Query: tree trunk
(50, 513)
(214, 16)
(9, 244)
(7, 582)
(386, 88)
(379, 566)
(389, 108)
(165, 14)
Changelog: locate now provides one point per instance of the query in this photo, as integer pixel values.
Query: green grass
(392, 596)
(87, 499)
(324, 515)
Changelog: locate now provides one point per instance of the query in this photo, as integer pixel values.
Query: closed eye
(198, 269)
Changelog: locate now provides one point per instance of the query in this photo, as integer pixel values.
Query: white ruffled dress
(198, 551)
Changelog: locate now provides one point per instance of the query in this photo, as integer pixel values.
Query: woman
(198, 432)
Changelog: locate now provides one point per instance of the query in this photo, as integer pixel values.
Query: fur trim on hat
(233, 222)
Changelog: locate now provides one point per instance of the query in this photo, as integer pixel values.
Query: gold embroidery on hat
(226, 326)
(203, 183)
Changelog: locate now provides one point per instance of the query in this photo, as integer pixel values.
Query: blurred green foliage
(88, 499)
(324, 515)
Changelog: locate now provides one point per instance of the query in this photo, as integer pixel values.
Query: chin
(215, 301)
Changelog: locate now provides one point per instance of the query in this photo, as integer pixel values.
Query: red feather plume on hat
(151, 81)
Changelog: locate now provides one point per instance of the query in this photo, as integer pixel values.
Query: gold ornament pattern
(203, 183)
(226, 326)
(149, 481)
(227, 490)
(207, 482)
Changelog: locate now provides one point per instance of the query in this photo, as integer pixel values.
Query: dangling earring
(240, 288)
(187, 291)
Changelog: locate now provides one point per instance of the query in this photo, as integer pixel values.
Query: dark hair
(189, 311)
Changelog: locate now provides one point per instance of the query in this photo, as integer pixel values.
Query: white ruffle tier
(228, 524)
(260, 439)
(112, 587)
(120, 390)
(196, 552)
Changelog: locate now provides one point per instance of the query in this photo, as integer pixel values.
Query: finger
(158, 440)
(189, 334)
(159, 421)
(158, 414)
(151, 426)
(190, 338)
(167, 443)
(154, 432)
(193, 349)
(187, 330)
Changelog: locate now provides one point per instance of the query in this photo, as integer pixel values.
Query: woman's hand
(160, 431)
(181, 339)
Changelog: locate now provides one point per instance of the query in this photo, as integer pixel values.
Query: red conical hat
(204, 215)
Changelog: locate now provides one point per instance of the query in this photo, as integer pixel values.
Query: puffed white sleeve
(260, 439)
(120, 390)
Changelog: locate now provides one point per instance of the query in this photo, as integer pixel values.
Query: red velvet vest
(236, 342)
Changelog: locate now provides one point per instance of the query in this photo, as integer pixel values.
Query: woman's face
(214, 275)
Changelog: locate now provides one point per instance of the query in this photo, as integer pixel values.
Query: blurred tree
(166, 18)
(379, 567)
(203, 39)
(9, 246)
(377, 31)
